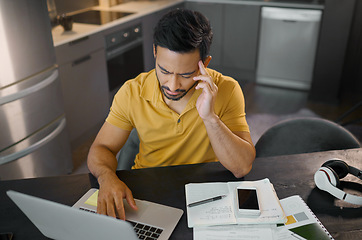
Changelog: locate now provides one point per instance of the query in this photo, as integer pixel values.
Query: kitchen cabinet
(214, 12)
(84, 81)
(240, 46)
(148, 24)
(235, 41)
(352, 74)
(336, 25)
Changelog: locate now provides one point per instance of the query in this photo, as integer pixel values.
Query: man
(183, 113)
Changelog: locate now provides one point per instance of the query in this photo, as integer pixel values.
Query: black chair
(127, 154)
(304, 135)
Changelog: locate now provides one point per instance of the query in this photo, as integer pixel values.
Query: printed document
(234, 232)
(301, 221)
(225, 210)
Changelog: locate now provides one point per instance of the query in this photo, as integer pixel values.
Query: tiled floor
(260, 99)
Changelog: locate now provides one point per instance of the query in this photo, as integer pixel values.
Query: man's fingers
(130, 200)
(204, 77)
(110, 210)
(111, 200)
(202, 68)
(101, 207)
(206, 86)
(120, 208)
(111, 205)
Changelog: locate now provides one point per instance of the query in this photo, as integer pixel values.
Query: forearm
(101, 161)
(234, 153)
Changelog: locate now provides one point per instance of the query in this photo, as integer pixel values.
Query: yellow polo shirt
(166, 137)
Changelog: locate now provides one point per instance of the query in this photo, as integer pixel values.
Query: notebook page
(212, 213)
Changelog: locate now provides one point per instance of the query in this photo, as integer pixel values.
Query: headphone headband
(327, 179)
(355, 172)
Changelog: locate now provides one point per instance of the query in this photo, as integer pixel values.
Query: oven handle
(123, 48)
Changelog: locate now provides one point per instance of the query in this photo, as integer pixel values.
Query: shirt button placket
(179, 125)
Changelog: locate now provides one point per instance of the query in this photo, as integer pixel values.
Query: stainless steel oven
(124, 53)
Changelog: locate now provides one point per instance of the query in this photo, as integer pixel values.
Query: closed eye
(185, 76)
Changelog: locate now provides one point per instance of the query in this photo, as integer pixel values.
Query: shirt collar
(150, 89)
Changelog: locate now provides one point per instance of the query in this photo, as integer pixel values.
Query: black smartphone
(248, 202)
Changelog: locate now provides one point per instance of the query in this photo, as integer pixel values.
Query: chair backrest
(304, 135)
(127, 154)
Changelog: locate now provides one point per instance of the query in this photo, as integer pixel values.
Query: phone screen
(248, 199)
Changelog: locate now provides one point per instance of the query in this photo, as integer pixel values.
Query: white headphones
(327, 179)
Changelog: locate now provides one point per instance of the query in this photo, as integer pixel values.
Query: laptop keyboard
(143, 231)
(146, 232)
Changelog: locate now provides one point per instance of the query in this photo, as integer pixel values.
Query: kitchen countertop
(142, 8)
(138, 8)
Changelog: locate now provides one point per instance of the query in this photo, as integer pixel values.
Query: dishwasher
(287, 47)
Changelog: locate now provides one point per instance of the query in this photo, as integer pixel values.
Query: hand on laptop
(112, 191)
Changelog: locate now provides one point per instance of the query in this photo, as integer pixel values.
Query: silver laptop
(59, 221)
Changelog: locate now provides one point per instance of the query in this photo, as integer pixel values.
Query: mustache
(180, 90)
(177, 90)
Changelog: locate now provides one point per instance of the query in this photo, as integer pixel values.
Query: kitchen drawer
(76, 49)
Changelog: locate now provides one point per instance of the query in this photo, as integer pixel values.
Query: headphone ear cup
(339, 167)
(320, 180)
(325, 177)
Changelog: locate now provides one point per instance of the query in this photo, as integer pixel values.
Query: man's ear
(154, 51)
(207, 61)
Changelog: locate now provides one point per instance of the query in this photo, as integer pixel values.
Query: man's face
(175, 72)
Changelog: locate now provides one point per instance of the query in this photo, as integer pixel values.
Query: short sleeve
(119, 111)
(231, 105)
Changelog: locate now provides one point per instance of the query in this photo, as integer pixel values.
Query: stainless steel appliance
(33, 141)
(124, 53)
(287, 47)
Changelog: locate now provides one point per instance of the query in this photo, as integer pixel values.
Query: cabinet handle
(81, 60)
(289, 21)
(78, 40)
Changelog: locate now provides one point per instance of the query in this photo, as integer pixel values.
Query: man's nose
(174, 83)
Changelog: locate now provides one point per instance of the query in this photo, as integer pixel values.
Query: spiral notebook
(301, 221)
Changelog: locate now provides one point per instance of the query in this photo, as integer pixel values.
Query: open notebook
(59, 221)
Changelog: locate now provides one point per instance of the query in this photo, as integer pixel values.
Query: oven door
(124, 63)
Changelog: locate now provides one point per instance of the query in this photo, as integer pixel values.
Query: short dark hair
(183, 30)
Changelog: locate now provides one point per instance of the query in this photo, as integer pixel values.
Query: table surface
(290, 175)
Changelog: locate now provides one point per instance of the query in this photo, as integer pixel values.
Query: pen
(206, 201)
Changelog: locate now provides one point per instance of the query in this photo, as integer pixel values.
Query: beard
(182, 92)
